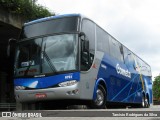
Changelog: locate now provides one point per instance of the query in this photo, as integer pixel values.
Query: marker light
(67, 83)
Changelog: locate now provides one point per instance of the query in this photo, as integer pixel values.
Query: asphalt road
(88, 114)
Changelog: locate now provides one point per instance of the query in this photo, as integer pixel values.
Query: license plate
(40, 95)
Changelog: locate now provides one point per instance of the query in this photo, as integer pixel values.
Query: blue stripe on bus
(131, 87)
(131, 95)
(44, 82)
(124, 88)
(136, 90)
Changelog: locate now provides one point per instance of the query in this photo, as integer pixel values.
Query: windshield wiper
(48, 60)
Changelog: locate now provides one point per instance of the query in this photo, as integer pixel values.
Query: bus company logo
(122, 71)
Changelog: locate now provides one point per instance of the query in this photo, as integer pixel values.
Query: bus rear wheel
(143, 104)
(100, 101)
(147, 105)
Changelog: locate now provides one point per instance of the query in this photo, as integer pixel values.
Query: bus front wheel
(100, 100)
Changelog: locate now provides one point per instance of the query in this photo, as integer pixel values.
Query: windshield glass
(45, 55)
(28, 57)
(59, 53)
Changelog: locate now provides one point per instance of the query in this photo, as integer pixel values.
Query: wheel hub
(100, 97)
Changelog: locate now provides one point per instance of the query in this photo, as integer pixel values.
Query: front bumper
(58, 93)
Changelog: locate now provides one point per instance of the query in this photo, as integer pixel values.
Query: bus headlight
(67, 83)
(19, 87)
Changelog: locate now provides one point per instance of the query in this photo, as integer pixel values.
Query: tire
(100, 101)
(143, 104)
(147, 105)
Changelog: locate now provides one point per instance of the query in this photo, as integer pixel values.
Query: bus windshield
(47, 55)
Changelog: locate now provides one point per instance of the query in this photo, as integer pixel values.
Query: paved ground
(97, 114)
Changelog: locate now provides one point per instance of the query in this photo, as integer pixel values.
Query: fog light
(69, 93)
(75, 91)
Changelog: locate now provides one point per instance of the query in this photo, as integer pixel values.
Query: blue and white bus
(70, 57)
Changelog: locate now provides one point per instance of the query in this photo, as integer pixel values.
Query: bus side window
(102, 40)
(129, 58)
(126, 58)
(116, 49)
(87, 57)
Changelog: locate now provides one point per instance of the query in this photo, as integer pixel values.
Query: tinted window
(148, 70)
(69, 24)
(102, 40)
(116, 49)
(143, 67)
(126, 59)
(139, 63)
(129, 58)
(88, 27)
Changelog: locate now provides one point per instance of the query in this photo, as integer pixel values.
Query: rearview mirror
(86, 45)
(84, 42)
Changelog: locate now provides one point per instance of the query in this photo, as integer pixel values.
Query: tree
(26, 8)
(156, 88)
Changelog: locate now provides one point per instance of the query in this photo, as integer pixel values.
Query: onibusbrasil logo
(21, 115)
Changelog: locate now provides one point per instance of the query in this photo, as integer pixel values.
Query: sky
(135, 23)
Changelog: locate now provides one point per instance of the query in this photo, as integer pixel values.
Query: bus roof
(51, 17)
